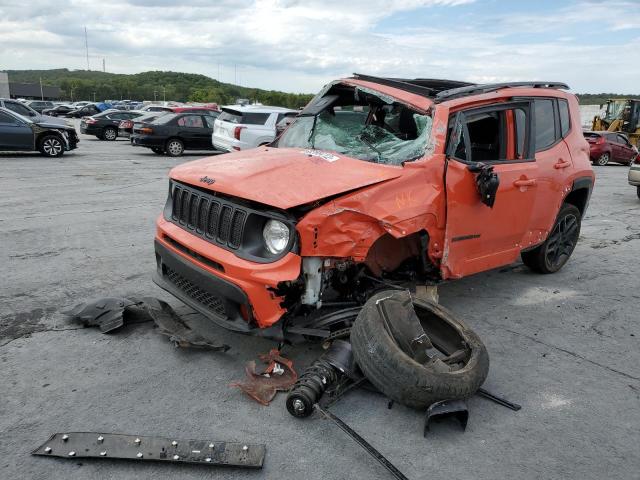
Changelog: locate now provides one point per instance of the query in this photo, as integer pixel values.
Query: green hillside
(81, 85)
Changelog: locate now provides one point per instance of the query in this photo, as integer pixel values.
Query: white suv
(240, 127)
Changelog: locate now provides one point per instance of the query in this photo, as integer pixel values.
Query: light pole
(94, 97)
(164, 94)
(155, 95)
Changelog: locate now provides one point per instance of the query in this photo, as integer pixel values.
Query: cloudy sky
(299, 45)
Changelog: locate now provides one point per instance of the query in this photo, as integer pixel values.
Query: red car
(610, 147)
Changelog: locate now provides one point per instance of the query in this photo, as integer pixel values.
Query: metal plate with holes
(140, 448)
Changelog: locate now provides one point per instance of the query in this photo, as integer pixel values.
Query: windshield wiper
(370, 145)
(310, 138)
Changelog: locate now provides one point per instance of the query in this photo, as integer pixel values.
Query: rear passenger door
(479, 237)
(626, 152)
(550, 127)
(194, 131)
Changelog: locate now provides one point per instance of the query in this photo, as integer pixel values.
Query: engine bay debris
(278, 375)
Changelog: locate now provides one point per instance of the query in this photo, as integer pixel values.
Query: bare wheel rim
(52, 146)
(604, 159)
(175, 148)
(110, 134)
(562, 241)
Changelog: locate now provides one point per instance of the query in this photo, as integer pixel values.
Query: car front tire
(51, 146)
(603, 159)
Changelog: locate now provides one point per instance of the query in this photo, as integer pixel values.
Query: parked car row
(194, 128)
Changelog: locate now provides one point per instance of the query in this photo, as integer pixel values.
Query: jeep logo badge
(207, 180)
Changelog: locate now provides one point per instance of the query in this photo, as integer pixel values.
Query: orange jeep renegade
(378, 182)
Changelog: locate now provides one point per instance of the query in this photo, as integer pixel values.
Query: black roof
(442, 90)
(33, 90)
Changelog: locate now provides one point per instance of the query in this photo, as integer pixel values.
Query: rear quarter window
(545, 124)
(565, 122)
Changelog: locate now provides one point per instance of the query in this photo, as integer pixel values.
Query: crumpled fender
(346, 227)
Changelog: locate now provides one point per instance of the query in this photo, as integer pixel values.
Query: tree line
(79, 85)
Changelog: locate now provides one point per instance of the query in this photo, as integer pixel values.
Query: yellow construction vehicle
(621, 115)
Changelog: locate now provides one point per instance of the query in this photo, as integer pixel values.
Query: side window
(210, 120)
(499, 135)
(16, 107)
(565, 123)
(623, 140)
(7, 119)
(545, 124)
(191, 121)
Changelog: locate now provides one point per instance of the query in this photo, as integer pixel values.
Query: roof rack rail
(428, 87)
(492, 87)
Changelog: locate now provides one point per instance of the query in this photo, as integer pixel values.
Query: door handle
(525, 183)
(562, 164)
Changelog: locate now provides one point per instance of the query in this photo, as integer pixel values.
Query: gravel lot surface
(565, 346)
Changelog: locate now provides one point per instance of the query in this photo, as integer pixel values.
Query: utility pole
(94, 97)
(41, 93)
(86, 46)
(235, 75)
(164, 94)
(103, 67)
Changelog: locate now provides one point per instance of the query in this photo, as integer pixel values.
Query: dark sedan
(105, 125)
(173, 133)
(19, 133)
(58, 110)
(85, 111)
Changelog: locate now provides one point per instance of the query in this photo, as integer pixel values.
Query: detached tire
(556, 250)
(401, 378)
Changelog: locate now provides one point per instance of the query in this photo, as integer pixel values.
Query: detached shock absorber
(320, 376)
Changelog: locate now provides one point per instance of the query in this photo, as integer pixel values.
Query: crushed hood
(282, 178)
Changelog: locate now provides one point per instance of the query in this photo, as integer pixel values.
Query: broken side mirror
(487, 182)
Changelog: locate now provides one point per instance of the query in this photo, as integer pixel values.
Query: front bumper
(634, 175)
(90, 130)
(147, 141)
(195, 270)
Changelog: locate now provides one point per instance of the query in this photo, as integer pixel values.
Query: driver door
(478, 236)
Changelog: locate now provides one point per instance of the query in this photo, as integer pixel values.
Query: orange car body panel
(369, 201)
(282, 178)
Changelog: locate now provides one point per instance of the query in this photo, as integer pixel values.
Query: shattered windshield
(361, 124)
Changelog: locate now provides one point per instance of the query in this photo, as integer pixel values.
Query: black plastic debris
(111, 313)
(180, 333)
(107, 313)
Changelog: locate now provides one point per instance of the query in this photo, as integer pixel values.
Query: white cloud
(298, 45)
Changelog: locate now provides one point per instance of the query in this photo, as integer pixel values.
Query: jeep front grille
(218, 220)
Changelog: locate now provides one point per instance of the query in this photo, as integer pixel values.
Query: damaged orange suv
(378, 182)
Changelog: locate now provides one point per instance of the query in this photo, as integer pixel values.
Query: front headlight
(276, 236)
